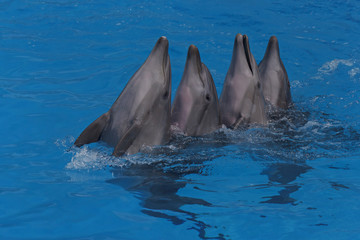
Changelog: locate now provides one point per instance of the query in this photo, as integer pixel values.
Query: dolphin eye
(207, 97)
(258, 85)
(166, 94)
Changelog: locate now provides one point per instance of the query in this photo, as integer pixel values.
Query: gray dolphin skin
(195, 110)
(141, 114)
(275, 81)
(241, 100)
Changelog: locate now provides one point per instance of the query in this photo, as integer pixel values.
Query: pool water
(63, 63)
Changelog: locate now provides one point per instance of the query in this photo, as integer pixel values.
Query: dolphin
(241, 100)
(275, 81)
(141, 114)
(195, 110)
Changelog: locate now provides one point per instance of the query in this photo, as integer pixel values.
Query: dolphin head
(161, 56)
(154, 90)
(241, 99)
(195, 109)
(274, 78)
(151, 84)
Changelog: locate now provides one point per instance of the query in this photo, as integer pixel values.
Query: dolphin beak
(161, 49)
(273, 48)
(242, 42)
(193, 62)
(193, 57)
(273, 42)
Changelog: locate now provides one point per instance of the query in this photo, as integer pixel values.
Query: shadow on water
(284, 174)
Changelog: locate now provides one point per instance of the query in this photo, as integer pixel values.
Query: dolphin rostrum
(242, 100)
(195, 110)
(140, 116)
(275, 81)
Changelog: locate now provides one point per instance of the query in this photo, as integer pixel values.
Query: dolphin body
(242, 101)
(195, 110)
(140, 116)
(275, 81)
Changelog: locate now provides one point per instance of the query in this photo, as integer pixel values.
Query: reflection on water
(157, 191)
(284, 174)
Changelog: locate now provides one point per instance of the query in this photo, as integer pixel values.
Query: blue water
(63, 63)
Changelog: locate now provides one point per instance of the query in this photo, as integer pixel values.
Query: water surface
(63, 63)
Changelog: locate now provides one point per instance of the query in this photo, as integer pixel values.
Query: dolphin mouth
(165, 64)
(166, 52)
(247, 51)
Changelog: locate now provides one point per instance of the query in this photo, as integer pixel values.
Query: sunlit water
(63, 63)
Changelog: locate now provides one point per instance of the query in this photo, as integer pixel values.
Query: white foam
(330, 67)
(309, 125)
(296, 84)
(353, 72)
(225, 130)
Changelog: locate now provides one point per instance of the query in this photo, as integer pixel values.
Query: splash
(292, 136)
(87, 158)
(98, 155)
